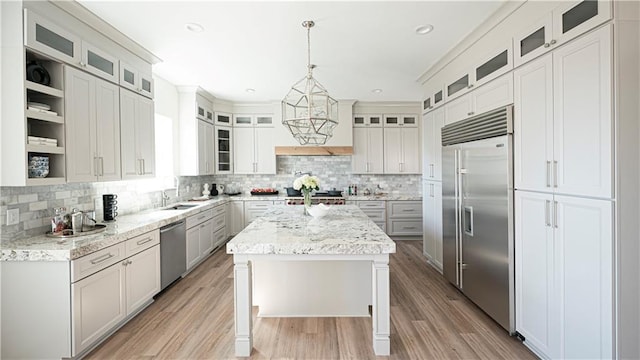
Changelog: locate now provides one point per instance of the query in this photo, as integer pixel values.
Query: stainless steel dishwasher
(173, 252)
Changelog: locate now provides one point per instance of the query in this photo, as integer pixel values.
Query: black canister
(109, 206)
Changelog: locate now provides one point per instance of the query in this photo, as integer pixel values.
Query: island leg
(381, 310)
(242, 305)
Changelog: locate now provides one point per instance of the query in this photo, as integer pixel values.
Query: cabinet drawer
(201, 217)
(142, 242)
(375, 204)
(94, 262)
(258, 204)
(405, 227)
(375, 214)
(405, 209)
(218, 222)
(219, 237)
(220, 209)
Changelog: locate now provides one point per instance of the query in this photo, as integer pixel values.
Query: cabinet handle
(547, 220)
(555, 214)
(400, 166)
(552, 42)
(102, 258)
(431, 187)
(470, 113)
(555, 174)
(124, 263)
(144, 241)
(431, 166)
(81, 63)
(408, 210)
(101, 166)
(408, 227)
(548, 173)
(144, 171)
(95, 165)
(546, 45)
(470, 86)
(202, 217)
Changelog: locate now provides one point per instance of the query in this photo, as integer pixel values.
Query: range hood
(314, 150)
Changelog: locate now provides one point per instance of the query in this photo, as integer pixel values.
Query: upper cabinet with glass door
(495, 63)
(136, 80)
(564, 23)
(222, 118)
(435, 97)
(253, 120)
(406, 120)
(50, 39)
(364, 120)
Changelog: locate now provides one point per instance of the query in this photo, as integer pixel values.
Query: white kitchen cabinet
(206, 148)
(142, 278)
(432, 222)
(92, 128)
(496, 62)
(432, 124)
(365, 120)
(563, 122)
(200, 241)
(564, 272)
(405, 120)
(222, 151)
(254, 209)
(368, 151)
(376, 210)
(99, 62)
(254, 150)
(111, 284)
(252, 120)
(401, 151)
(565, 22)
(137, 135)
(136, 80)
(236, 214)
(99, 304)
(492, 95)
(223, 118)
(404, 218)
(50, 39)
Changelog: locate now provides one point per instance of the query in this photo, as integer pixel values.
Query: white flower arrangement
(306, 183)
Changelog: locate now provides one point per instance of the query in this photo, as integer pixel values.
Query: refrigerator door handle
(467, 220)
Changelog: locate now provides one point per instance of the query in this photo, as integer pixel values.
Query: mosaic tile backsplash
(36, 203)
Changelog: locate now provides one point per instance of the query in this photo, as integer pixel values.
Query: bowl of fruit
(264, 191)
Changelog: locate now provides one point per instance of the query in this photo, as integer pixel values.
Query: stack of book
(34, 140)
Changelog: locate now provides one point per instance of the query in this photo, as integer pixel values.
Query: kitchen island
(343, 239)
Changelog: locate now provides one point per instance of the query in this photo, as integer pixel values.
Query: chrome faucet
(165, 197)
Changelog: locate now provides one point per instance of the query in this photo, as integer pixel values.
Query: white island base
(337, 285)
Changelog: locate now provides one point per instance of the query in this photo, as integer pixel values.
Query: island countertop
(286, 230)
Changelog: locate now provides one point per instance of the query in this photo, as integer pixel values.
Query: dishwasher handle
(170, 227)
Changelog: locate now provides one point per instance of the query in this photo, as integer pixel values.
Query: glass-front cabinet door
(223, 118)
(223, 150)
(242, 120)
(99, 63)
(496, 63)
(532, 41)
(263, 120)
(573, 18)
(51, 39)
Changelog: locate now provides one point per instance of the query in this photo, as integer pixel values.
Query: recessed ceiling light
(376, 91)
(250, 90)
(194, 27)
(424, 29)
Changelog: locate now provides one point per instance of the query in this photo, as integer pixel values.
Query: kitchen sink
(179, 207)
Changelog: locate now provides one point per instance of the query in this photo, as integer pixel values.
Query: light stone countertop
(286, 230)
(43, 248)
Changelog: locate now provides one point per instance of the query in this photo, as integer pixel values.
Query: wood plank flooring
(430, 319)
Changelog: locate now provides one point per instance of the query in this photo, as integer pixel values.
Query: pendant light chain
(309, 25)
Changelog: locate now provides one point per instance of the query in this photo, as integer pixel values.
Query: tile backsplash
(36, 203)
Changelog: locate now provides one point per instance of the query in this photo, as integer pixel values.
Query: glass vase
(307, 201)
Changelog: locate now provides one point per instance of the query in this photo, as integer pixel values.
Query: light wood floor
(429, 320)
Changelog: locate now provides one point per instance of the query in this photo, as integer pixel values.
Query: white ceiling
(357, 46)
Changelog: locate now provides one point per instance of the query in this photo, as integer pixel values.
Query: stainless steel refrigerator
(477, 203)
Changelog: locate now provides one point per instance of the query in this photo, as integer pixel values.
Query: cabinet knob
(470, 113)
(552, 42)
(81, 63)
(470, 86)
(547, 45)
